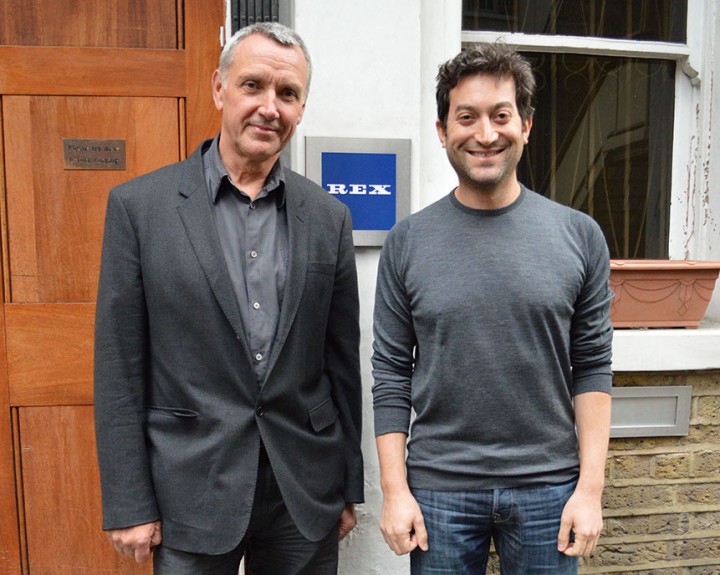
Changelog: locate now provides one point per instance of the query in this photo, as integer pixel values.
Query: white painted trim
(584, 45)
(667, 349)
(686, 134)
(226, 31)
(440, 24)
(697, 35)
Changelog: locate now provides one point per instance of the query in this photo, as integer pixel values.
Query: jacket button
(260, 411)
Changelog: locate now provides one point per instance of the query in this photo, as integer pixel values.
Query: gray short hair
(272, 30)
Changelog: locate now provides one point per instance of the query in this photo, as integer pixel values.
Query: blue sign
(371, 176)
(366, 183)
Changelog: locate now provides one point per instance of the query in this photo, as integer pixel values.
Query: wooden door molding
(202, 34)
(9, 524)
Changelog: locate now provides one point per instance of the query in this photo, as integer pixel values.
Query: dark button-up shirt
(254, 239)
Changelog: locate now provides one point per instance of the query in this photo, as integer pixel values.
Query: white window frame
(660, 350)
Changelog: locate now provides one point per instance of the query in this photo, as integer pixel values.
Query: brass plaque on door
(93, 154)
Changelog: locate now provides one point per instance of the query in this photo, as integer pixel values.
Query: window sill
(667, 349)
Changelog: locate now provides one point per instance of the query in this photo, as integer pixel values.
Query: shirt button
(252, 205)
(256, 305)
(253, 254)
(258, 356)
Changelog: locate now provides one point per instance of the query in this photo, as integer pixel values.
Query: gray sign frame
(400, 148)
(651, 411)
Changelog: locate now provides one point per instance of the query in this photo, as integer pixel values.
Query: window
(248, 12)
(658, 20)
(607, 89)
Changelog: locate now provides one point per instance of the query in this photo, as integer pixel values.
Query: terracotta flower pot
(661, 293)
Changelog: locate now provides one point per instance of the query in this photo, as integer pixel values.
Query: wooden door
(79, 76)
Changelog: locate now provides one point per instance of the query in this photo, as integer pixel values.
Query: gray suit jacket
(178, 411)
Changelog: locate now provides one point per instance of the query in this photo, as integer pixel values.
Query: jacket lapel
(199, 223)
(298, 236)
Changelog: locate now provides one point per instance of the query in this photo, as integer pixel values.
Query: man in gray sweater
(492, 323)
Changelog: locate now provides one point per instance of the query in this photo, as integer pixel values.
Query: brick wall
(662, 494)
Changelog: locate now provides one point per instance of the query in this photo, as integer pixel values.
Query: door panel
(55, 215)
(119, 23)
(49, 353)
(61, 495)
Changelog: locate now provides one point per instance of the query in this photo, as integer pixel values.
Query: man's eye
(290, 94)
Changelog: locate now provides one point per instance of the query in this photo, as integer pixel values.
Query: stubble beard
(486, 183)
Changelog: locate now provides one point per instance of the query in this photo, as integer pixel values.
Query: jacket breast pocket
(323, 415)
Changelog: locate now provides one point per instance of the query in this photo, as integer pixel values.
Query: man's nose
(268, 105)
(485, 132)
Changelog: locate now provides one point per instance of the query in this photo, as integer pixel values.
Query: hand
(348, 520)
(583, 516)
(402, 524)
(137, 541)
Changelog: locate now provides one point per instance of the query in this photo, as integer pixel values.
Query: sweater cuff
(391, 420)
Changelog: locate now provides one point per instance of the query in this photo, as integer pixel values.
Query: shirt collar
(216, 176)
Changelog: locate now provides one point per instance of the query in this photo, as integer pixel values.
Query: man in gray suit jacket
(227, 381)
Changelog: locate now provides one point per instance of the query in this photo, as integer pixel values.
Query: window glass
(601, 142)
(656, 20)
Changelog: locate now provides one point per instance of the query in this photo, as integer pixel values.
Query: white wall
(374, 66)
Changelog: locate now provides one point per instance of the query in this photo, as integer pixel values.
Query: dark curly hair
(497, 59)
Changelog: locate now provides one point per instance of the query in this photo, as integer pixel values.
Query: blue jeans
(522, 522)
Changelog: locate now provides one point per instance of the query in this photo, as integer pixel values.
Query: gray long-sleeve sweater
(487, 323)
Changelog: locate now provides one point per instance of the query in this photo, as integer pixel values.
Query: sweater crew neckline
(488, 213)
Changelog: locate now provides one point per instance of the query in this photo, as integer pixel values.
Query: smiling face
(484, 139)
(262, 99)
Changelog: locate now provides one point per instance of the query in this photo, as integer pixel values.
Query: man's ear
(302, 113)
(527, 126)
(440, 132)
(216, 83)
